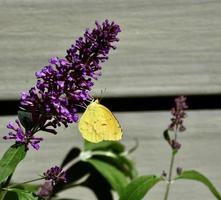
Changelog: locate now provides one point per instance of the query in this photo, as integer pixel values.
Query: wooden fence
(166, 48)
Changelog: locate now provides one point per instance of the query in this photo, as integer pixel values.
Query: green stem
(170, 176)
(171, 167)
(3, 191)
(17, 184)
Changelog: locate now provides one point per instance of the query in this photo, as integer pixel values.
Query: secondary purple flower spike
(55, 174)
(21, 136)
(64, 84)
(179, 114)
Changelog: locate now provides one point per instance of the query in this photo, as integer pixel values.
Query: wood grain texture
(167, 46)
(200, 150)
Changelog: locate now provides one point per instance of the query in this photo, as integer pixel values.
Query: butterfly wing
(98, 124)
(108, 124)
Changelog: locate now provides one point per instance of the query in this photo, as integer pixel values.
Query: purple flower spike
(55, 174)
(64, 84)
(21, 136)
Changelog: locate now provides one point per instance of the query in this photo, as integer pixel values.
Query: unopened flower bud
(164, 174)
(175, 145)
(179, 170)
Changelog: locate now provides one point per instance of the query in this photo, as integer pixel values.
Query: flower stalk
(169, 181)
(178, 113)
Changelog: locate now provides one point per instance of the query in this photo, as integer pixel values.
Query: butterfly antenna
(82, 106)
(89, 100)
(102, 92)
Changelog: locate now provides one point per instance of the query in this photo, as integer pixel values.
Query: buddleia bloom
(64, 84)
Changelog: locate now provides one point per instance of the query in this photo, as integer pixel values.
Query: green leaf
(113, 153)
(121, 162)
(197, 176)
(137, 188)
(71, 155)
(129, 167)
(115, 147)
(25, 118)
(10, 160)
(115, 177)
(99, 185)
(166, 135)
(94, 180)
(10, 195)
(24, 195)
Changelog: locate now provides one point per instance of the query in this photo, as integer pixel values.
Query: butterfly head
(96, 100)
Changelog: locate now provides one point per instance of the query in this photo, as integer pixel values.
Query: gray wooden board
(166, 47)
(201, 147)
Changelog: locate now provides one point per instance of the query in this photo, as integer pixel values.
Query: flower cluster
(179, 114)
(55, 174)
(52, 176)
(64, 84)
(21, 136)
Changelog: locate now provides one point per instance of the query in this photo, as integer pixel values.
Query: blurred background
(167, 48)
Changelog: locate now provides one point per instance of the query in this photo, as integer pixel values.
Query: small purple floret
(21, 136)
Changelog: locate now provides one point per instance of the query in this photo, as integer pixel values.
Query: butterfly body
(98, 123)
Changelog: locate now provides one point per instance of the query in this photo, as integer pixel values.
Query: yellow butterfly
(98, 123)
